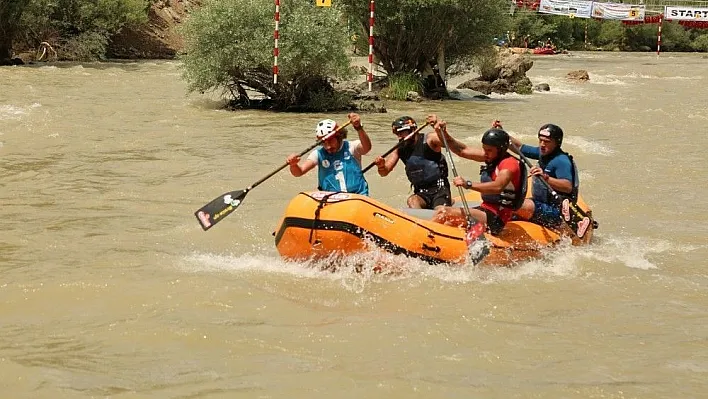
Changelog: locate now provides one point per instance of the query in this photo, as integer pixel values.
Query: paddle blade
(574, 217)
(477, 245)
(211, 213)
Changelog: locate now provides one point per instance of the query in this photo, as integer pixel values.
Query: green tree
(229, 46)
(78, 29)
(411, 35)
(10, 13)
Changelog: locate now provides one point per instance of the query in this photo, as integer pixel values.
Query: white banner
(685, 13)
(624, 12)
(571, 8)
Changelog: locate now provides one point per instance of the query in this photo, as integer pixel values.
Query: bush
(486, 64)
(399, 84)
(700, 43)
(78, 29)
(410, 33)
(229, 47)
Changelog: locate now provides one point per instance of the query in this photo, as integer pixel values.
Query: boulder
(466, 95)
(481, 86)
(579, 75)
(542, 87)
(413, 96)
(507, 75)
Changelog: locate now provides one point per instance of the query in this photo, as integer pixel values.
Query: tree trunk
(10, 13)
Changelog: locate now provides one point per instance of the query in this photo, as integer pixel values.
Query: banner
(685, 13)
(571, 8)
(624, 12)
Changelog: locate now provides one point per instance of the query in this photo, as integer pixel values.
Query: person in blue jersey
(425, 164)
(557, 168)
(338, 160)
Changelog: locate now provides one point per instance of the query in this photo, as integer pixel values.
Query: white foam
(633, 252)
(588, 146)
(637, 75)
(356, 273)
(14, 112)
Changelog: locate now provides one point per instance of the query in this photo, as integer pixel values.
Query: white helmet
(325, 127)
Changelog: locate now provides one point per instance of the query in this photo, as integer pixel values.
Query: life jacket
(511, 197)
(424, 167)
(541, 192)
(340, 172)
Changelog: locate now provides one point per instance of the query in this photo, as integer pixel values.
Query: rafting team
(502, 182)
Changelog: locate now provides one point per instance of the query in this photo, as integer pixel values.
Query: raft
(321, 224)
(544, 51)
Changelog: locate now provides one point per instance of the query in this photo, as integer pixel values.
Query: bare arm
(364, 139)
(355, 119)
(561, 185)
(388, 164)
(298, 170)
(493, 187)
(516, 144)
(459, 148)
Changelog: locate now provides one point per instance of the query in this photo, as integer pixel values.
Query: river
(109, 287)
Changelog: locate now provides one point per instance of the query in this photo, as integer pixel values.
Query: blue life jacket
(340, 172)
(425, 167)
(510, 197)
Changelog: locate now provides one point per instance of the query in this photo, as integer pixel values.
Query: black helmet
(403, 123)
(496, 138)
(551, 131)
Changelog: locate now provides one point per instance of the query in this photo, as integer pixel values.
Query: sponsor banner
(685, 13)
(571, 8)
(624, 12)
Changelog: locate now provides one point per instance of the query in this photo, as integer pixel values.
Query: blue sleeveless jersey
(340, 172)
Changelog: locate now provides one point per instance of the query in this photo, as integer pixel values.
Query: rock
(501, 86)
(413, 96)
(542, 87)
(159, 37)
(513, 67)
(523, 86)
(466, 95)
(507, 75)
(481, 86)
(579, 75)
(12, 61)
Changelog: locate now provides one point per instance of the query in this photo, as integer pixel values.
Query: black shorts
(434, 196)
(494, 222)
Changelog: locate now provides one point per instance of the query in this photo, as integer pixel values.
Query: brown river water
(109, 287)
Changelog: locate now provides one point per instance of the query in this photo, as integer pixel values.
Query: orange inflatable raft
(321, 224)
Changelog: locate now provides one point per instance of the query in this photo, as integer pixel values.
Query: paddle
(400, 143)
(221, 206)
(475, 230)
(574, 217)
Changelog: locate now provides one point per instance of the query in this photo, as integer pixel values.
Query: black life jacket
(424, 167)
(510, 197)
(575, 182)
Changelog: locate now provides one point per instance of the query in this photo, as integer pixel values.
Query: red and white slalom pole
(276, 36)
(658, 37)
(370, 76)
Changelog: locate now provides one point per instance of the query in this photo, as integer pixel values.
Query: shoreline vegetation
(227, 46)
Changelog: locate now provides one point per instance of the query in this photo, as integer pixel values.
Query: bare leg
(527, 209)
(453, 216)
(414, 201)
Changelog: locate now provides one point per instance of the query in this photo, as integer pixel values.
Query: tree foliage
(78, 29)
(408, 34)
(10, 13)
(569, 33)
(229, 46)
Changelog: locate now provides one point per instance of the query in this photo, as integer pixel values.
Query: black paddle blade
(211, 213)
(477, 245)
